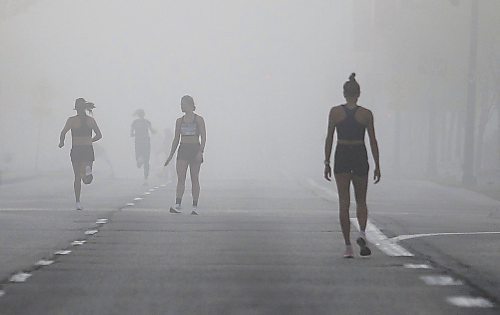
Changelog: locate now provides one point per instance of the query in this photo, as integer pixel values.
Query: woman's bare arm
(98, 134)
(175, 142)
(203, 133)
(328, 145)
(374, 146)
(64, 131)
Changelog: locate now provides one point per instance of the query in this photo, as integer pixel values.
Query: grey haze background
(264, 74)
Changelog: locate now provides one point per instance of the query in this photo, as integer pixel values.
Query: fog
(263, 74)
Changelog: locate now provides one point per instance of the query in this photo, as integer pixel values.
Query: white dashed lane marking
(44, 262)
(130, 204)
(91, 232)
(102, 221)
(469, 301)
(20, 277)
(62, 252)
(2, 293)
(78, 243)
(138, 199)
(417, 266)
(440, 280)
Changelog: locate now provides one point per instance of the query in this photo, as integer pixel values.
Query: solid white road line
(440, 280)
(410, 236)
(374, 235)
(469, 301)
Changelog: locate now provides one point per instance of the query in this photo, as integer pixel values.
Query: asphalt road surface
(257, 247)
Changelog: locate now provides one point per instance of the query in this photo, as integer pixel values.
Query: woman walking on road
(188, 130)
(82, 152)
(351, 160)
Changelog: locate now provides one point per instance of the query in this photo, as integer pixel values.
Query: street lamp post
(469, 178)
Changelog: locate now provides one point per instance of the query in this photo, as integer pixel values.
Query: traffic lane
(424, 228)
(55, 192)
(37, 218)
(143, 263)
(29, 236)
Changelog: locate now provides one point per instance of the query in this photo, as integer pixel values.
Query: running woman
(188, 130)
(351, 160)
(82, 152)
(140, 131)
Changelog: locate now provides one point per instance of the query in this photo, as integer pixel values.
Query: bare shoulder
(335, 110)
(199, 118)
(365, 112)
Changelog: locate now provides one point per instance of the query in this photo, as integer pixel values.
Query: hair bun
(352, 77)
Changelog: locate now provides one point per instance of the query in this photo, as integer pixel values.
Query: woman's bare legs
(181, 167)
(194, 169)
(360, 184)
(343, 187)
(360, 187)
(78, 170)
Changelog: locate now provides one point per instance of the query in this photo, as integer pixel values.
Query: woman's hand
(376, 175)
(168, 161)
(328, 172)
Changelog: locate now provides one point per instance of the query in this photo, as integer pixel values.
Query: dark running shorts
(352, 159)
(82, 153)
(142, 149)
(188, 152)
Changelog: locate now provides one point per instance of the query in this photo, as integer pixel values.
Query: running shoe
(363, 247)
(87, 179)
(194, 211)
(175, 209)
(348, 252)
(78, 206)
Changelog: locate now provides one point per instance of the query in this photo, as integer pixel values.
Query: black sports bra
(350, 128)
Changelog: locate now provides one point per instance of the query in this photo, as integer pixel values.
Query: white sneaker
(79, 206)
(175, 209)
(194, 209)
(87, 179)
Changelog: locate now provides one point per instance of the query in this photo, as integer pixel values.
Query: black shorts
(352, 159)
(82, 153)
(188, 152)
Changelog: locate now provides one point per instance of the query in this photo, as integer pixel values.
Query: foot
(87, 179)
(175, 209)
(78, 206)
(194, 211)
(348, 253)
(363, 247)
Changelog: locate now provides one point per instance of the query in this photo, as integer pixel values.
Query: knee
(344, 203)
(361, 206)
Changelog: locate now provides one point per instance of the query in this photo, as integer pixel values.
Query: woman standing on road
(351, 160)
(188, 130)
(82, 152)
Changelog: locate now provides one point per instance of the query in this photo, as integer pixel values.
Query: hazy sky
(263, 73)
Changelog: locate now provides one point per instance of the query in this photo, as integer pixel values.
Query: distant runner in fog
(188, 129)
(140, 131)
(351, 160)
(82, 152)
